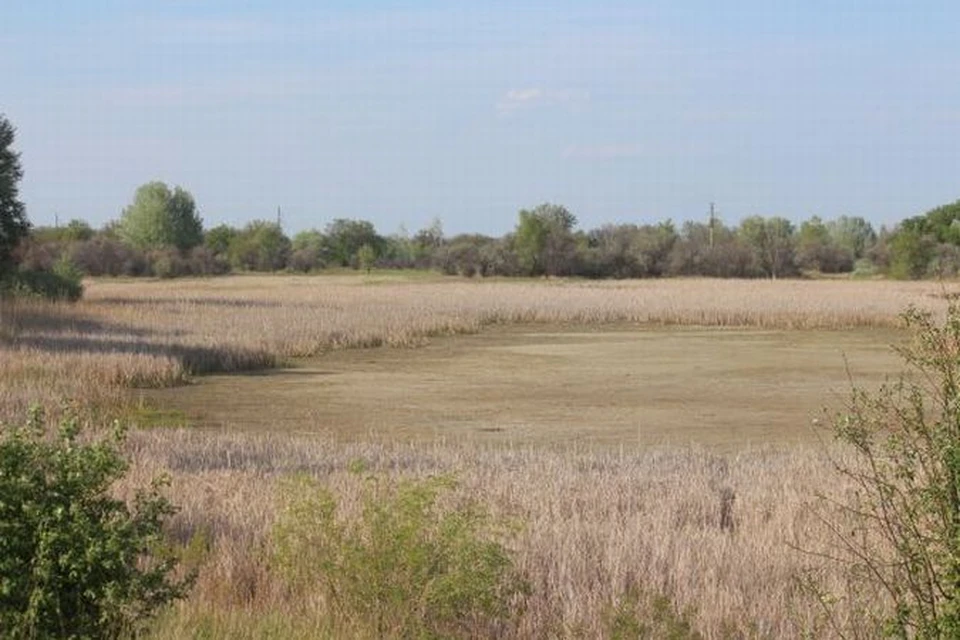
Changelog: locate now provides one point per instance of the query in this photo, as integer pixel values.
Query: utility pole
(279, 218)
(56, 220)
(713, 218)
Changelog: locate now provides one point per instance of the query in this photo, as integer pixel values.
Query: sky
(402, 112)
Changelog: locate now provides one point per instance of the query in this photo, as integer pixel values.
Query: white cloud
(601, 151)
(532, 97)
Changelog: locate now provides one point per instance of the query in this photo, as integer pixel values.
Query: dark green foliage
(943, 223)
(910, 253)
(640, 616)
(260, 246)
(345, 237)
(426, 243)
(404, 567)
(13, 217)
(219, 238)
(543, 240)
(62, 283)
(76, 562)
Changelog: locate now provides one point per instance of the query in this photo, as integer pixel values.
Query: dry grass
(523, 385)
(154, 334)
(594, 523)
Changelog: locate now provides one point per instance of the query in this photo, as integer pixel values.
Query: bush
(638, 615)
(76, 562)
(899, 530)
(62, 283)
(402, 567)
(106, 256)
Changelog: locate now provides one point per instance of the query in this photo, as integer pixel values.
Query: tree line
(162, 234)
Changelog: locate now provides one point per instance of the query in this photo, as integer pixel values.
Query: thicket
(410, 564)
(61, 281)
(76, 561)
(544, 242)
(898, 532)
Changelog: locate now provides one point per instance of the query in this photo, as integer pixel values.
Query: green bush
(403, 566)
(63, 282)
(637, 615)
(75, 562)
(898, 532)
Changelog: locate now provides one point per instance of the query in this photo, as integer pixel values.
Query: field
(616, 385)
(653, 434)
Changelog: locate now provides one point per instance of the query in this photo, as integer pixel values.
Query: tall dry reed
(158, 333)
(593, 524)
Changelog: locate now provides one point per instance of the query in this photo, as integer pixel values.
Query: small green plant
(366, 257)
(636, 615)
(898, 532)
(76, 562)
(401, 567)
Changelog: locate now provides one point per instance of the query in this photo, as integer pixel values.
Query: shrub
(75, 562)
(402, 567)
(106, 256)
(641, 615)
(61, 283)
(899, 530)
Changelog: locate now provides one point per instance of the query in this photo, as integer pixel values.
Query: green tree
(159, 218)
(943, 223)
(345, 237)
(812, 239)
(853, 234)
(911, 251)
(75, 231)
(219, 238)
(628, 250)
(260, 246)
(817, 249)
(544, 241)
(772, 243)
(13, 217)
(75, 561)
(710, 250)
(366, 256)
(309, 251)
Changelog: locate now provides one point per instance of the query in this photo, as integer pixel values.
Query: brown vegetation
(154, 334)
(712, 534)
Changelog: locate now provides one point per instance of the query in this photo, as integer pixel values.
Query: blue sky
(468, 111)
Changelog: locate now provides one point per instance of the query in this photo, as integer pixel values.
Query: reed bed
(159, 333)
(593, 525)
